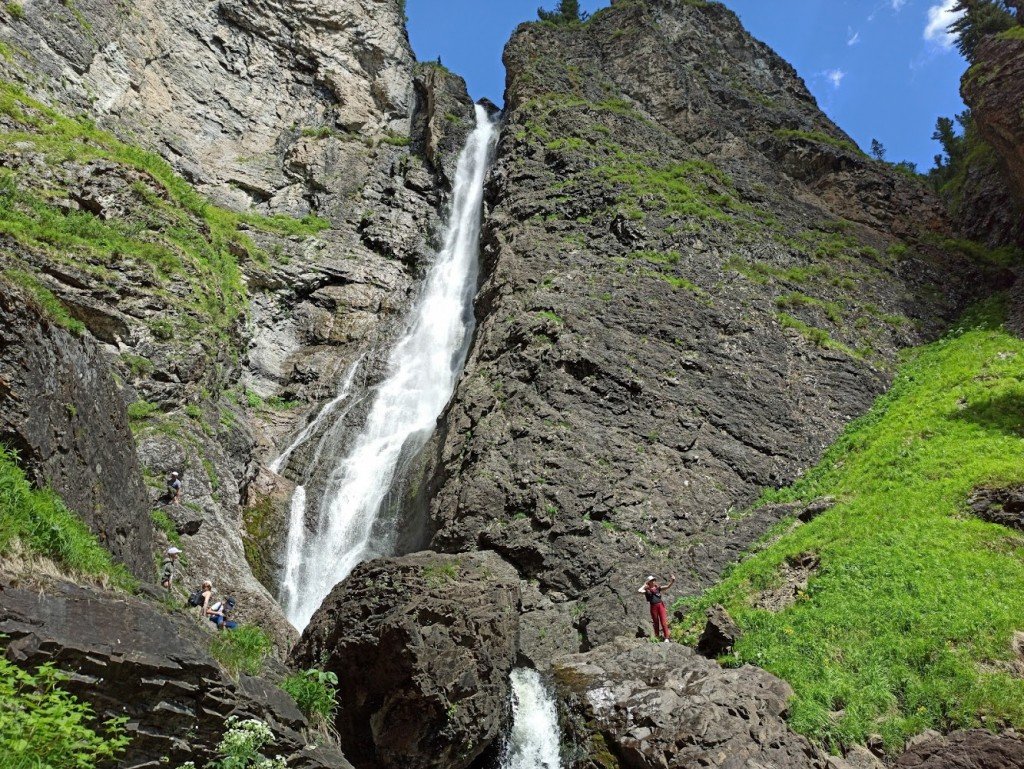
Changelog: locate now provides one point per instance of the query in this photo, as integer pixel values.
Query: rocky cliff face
(992, 201)
(63, 414)
(693, 281)
(225, 325)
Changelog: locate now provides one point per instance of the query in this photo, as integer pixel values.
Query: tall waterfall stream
(422, 370)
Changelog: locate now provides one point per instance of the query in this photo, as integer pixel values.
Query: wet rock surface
(693, 280)
(640, 704)
(974, 749)
(423, 646)
(129, 658)
(61, 410)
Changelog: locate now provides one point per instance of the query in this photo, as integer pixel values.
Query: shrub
(141, 409)
(241, 747)
(39, 521)
(42, 726)
(315, 692)
(17, 10)
(242, 650)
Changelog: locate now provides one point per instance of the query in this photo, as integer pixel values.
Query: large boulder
(423, 646)
(656, 706)
(131, 658)
(61, 409)
(974, 749)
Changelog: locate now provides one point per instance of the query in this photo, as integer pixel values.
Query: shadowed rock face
(661, 706)
(994, 89)
(993, 197)
(423, 646)
(130, 658)
(693, 280)
(62, 412)
(972, 749)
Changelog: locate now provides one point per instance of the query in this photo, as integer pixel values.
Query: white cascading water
(421, 375)
(534, 742)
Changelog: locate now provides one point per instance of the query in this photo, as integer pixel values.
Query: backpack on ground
(195, 598)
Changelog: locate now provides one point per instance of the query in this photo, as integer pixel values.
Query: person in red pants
(659, 614)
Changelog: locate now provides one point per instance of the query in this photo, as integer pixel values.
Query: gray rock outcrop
(127, 657)
(662, 706)
(973, 749)
(423, 646)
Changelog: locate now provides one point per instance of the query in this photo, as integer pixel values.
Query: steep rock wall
(62, 412)
(693, 281)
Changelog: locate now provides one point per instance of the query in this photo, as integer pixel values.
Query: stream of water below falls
(534, 742)
(421, 374)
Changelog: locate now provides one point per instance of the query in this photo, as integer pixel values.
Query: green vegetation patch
(177, 234)
(45, 300)
(315, 692)
(243, 650)
(42, 725)
(819, 138)
(914, 604)
(39, 521)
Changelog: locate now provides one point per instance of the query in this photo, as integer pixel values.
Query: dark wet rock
(1002, 505)
(654, 349)
(974, 749)
(423, 646)
(662, 706)
(720, 633)
(62, 411)
(130, 658)
(545, 628)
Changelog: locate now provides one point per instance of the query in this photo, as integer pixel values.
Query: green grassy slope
(38, 522)
(914, 599)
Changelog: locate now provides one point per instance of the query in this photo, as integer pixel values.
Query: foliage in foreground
(44, 727)
(242, 650)
(241, 747)
(914, 604)
(315, 692)
(38, 521)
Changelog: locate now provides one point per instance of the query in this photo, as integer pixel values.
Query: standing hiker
(169, 566)
(173, 489)
(659, 614)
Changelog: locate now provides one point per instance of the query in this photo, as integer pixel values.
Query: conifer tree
(567, 12)
(977, 20)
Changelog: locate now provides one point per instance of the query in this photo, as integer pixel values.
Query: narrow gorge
(443, 382)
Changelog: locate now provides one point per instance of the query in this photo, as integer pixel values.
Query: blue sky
(880, 68)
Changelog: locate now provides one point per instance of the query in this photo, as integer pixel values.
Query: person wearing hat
(169, 564)
(219, 611)
(659, 614)
(173, 489)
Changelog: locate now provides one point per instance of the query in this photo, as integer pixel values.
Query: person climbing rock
(207, 595)
(659, 614)
(169, 567)
(173, 489)
(219, 614)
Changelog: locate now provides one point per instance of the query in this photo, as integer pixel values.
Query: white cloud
(940, 16)
(834, 76)
(897, 5)
(852, 38)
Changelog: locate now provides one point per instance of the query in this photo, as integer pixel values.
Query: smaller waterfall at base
(296, 542)
(422, 370)
(534, 742)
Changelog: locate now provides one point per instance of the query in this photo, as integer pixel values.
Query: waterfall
(421, 374)
(534, 742)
